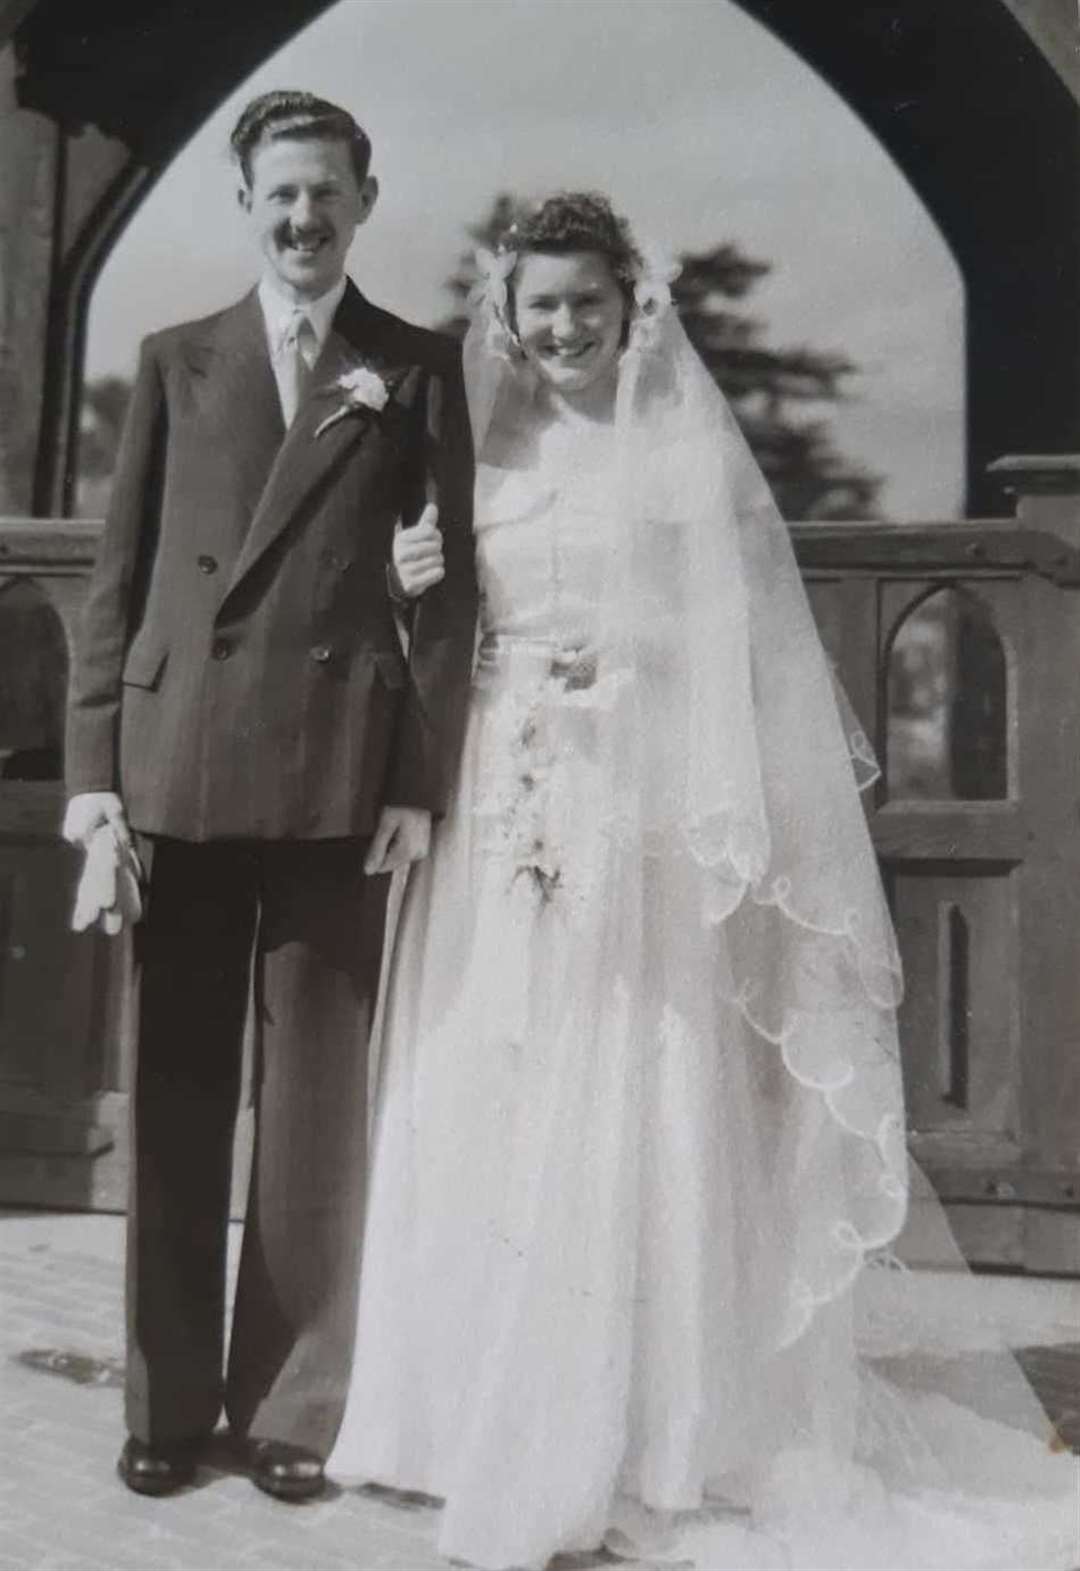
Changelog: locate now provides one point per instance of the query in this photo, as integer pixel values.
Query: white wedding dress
(586, 1188)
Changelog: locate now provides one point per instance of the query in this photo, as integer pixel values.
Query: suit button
(221, 648)
(207, 564)
(322, 653)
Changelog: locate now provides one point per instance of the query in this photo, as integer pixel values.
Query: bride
(639, 1164)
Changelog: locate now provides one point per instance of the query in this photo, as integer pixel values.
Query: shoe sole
(291, 1494)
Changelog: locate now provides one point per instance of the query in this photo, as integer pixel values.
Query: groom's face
(304, 203)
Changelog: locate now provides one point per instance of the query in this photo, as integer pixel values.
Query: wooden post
(29, 164)
(1046, 488)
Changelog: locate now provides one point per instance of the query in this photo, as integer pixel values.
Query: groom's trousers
(297, 927)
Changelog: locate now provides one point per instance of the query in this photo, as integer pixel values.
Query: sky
(700, 125)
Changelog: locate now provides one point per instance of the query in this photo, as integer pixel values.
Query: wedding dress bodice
(543, 551)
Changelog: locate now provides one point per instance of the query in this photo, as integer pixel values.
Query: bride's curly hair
(572, 221)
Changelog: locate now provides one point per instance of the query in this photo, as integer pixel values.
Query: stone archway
(976, 102)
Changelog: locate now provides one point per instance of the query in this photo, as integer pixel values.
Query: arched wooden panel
(947, 702)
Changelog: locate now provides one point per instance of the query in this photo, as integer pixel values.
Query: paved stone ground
(63, 1509)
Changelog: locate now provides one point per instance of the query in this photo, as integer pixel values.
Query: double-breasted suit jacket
(240, 672)
(242, 685)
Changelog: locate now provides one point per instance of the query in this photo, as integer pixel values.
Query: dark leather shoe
(285, 1471)
(156, 1469)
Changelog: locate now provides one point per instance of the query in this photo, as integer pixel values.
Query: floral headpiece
(489, 295)
(653, 279)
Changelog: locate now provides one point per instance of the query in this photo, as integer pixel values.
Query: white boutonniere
(360, 389)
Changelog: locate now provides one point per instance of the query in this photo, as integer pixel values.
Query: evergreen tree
(104, 405)
(101, 422)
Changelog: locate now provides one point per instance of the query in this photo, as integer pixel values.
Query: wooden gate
(960, 645)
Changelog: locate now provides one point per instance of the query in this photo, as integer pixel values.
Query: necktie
(297, 358)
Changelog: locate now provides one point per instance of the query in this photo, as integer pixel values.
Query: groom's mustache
(286, 235)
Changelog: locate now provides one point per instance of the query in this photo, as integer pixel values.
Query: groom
(242, 706)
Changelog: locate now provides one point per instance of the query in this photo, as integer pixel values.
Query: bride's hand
(418, 555)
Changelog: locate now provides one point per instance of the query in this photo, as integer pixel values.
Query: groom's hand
(402, 835)
(418, 562)
(88, 811)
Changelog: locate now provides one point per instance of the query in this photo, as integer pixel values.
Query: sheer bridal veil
(727, 764)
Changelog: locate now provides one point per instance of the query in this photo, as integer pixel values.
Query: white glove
(108, 892)
(88, 811)
(418, 556)
(402, 835)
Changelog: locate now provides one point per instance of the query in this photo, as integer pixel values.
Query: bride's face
(570, 314)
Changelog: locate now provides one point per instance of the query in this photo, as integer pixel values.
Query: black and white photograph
(540, 785)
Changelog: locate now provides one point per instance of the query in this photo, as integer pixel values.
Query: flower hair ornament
(652, 281)
(489, 299)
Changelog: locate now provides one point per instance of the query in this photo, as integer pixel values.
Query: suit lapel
(304, 456)
(242, 394)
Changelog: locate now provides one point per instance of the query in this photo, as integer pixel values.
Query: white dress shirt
(280, 315)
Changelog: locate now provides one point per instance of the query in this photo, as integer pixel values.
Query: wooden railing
(979, 842)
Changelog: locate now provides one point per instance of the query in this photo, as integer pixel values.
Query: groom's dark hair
(300, 116)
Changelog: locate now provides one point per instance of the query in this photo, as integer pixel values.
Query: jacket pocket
(144, 664)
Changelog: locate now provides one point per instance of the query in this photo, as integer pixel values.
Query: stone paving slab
(62, 1507)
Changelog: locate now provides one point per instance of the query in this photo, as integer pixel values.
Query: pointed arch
(947, 700)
